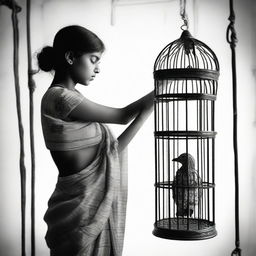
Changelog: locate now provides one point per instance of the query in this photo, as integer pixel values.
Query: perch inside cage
(185, 73)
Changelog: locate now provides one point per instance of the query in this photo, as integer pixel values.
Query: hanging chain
(183, 14)
(232, 40)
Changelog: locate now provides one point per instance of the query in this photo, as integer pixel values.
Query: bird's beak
(175, 160)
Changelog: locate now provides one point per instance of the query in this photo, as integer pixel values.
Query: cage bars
(185, 73)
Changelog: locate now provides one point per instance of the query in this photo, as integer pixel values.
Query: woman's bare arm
(125, 138)
(139, 110)
(89, 111)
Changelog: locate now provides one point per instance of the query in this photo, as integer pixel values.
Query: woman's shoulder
(57, 93)
(61, 100)
(57, 90)
(53, 91)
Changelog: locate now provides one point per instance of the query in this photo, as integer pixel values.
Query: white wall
(139, 33)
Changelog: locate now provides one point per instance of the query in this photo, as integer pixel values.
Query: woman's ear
(69, 56)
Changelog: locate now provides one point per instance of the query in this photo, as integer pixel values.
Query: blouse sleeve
(65, 101)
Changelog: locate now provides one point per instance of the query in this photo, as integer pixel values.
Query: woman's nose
(97, 69)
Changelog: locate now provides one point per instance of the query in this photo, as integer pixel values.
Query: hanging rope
(15, 9)
(183, 14)
(31, 86)
(11, 4)
(232, 40)
(21, 130)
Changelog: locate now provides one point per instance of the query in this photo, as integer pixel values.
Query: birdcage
(185, 73)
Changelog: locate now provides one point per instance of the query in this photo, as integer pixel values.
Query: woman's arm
(140, 105)
(89, 111)
(125, 138)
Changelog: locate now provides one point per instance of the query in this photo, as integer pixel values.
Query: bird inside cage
(187, 184)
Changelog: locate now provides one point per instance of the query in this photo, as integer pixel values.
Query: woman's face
(85, 67)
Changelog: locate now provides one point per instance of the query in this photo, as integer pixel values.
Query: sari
(86, 212)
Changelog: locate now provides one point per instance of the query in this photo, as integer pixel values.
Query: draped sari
(86, 212)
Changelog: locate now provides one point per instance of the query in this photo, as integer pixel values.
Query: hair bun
(46, 59)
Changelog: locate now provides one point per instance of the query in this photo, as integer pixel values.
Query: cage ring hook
(184, 27)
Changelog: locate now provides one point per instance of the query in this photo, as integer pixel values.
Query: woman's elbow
(126, 119)
(126, 116)
(123, 118)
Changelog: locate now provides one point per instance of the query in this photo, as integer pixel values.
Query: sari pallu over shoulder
(86, 212)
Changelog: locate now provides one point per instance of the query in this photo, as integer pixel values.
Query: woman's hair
(74, 38)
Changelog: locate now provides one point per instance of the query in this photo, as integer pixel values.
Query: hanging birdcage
(185, 73)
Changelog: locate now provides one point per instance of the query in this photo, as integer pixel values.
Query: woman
(86, 212)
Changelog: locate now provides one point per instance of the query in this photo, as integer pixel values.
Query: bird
(186, 186)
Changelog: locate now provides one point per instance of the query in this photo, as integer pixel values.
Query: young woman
(86, 212)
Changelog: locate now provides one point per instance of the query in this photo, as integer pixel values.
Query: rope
(15, 9)
(11, 4)
(31, 86)
(232, 40)
(183, 14)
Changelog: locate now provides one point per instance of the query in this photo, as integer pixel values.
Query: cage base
(184, 229)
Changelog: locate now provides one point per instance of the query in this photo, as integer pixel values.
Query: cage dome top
(186, 57)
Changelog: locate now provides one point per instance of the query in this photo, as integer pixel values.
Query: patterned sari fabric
(86, 212)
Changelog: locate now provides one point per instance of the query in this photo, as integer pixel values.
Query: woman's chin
(85, 83)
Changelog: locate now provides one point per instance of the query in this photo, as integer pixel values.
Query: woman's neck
(63, 79)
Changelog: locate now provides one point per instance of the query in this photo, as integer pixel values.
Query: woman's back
(73, 144)
(70, 162)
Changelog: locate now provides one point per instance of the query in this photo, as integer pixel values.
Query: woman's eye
(94, 60)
